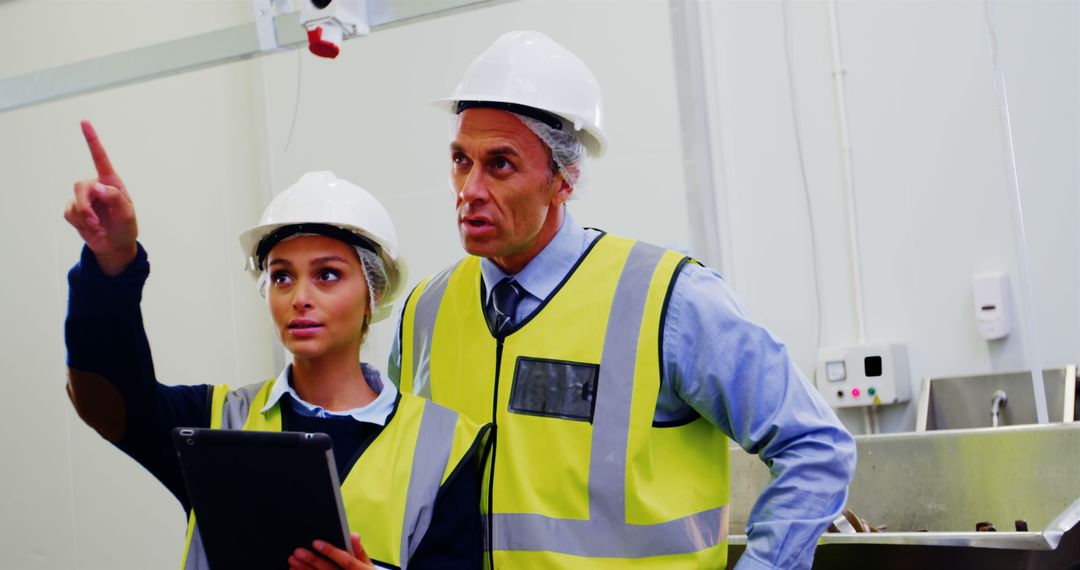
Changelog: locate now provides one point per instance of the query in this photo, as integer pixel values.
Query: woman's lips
(304, 328)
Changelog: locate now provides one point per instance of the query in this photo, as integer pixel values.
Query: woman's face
(318, 296)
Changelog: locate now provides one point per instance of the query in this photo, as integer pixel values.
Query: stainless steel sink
(961, 402)
(930, 488)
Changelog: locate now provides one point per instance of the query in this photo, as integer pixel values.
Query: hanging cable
(788, 57)
(296, 102)
(1030, 333)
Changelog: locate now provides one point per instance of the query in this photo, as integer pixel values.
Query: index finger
(97, 151)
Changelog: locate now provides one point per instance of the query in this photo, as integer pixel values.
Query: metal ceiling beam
(198, 52)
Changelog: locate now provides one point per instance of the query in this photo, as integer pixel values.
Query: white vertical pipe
(849, 178)
(1027, 315)
(708, 231)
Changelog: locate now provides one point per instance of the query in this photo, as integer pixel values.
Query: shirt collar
(545, 271)
(374, 412)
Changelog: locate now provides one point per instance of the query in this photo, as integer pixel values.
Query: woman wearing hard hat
(325, 258)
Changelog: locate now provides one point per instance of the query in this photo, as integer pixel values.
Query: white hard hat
(325, 203)
(530, 69)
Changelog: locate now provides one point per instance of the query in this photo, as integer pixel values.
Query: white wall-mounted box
(854, 376)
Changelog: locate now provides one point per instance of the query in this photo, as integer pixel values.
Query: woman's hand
(335, 558)
(102, 211)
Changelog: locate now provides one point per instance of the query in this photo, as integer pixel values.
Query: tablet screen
(258, 496)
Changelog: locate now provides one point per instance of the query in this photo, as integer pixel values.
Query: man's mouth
(476, 222)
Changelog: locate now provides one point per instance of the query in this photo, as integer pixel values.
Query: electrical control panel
(865, 375)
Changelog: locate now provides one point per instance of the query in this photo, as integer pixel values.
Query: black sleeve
(455, 538)
(105, 336)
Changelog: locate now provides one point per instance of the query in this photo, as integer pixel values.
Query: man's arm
(741, 379)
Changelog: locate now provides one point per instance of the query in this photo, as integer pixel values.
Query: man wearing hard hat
(614, 370)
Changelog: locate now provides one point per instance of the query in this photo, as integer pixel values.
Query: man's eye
(501, 163)
(329, 275)
(459, 159)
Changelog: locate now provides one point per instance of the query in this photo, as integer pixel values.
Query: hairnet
(374, 273)
(567, 151)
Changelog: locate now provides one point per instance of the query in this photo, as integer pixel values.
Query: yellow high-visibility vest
(389, 492)
(580, 476)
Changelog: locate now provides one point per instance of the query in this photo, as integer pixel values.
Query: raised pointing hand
(102, 212)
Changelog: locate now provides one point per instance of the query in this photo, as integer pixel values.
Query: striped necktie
(503, 306)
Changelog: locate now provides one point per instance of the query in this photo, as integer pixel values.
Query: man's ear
(564, 192)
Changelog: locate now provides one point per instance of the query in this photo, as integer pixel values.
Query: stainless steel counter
(943, 482)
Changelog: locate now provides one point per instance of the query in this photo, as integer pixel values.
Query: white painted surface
(931, 188)
(185, 147)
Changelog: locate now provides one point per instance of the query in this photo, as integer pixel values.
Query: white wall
(200, 153)
(186, 149)
(930, 182)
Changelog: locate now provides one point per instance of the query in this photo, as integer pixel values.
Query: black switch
(872, 366)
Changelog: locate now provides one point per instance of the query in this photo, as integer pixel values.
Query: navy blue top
(105, 335)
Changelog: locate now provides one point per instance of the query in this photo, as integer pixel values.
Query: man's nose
(474, 187)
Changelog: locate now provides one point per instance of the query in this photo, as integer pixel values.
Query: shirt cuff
(746, 562)
(91, 292)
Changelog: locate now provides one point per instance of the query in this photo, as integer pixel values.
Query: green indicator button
(871, 391)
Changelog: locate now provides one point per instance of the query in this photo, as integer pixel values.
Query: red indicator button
(855, 392)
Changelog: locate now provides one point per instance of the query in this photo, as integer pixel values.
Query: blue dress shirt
(720, 365)
(375, 411)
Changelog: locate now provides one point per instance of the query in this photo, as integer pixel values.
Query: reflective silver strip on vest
(237, 403)
(196, 556)
(432, 453)
(609, 539)
(615, 388)
(233, 415)
(427, 307)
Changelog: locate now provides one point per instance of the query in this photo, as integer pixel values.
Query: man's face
(508, 197)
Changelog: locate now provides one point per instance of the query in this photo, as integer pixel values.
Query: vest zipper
(494, 451)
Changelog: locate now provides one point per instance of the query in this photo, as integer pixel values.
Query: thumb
(110, 197)
(105, 192)
(358, 550)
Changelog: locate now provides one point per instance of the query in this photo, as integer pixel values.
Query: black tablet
(258, 496)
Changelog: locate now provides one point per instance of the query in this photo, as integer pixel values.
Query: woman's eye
(280, 278)
(329, 275)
